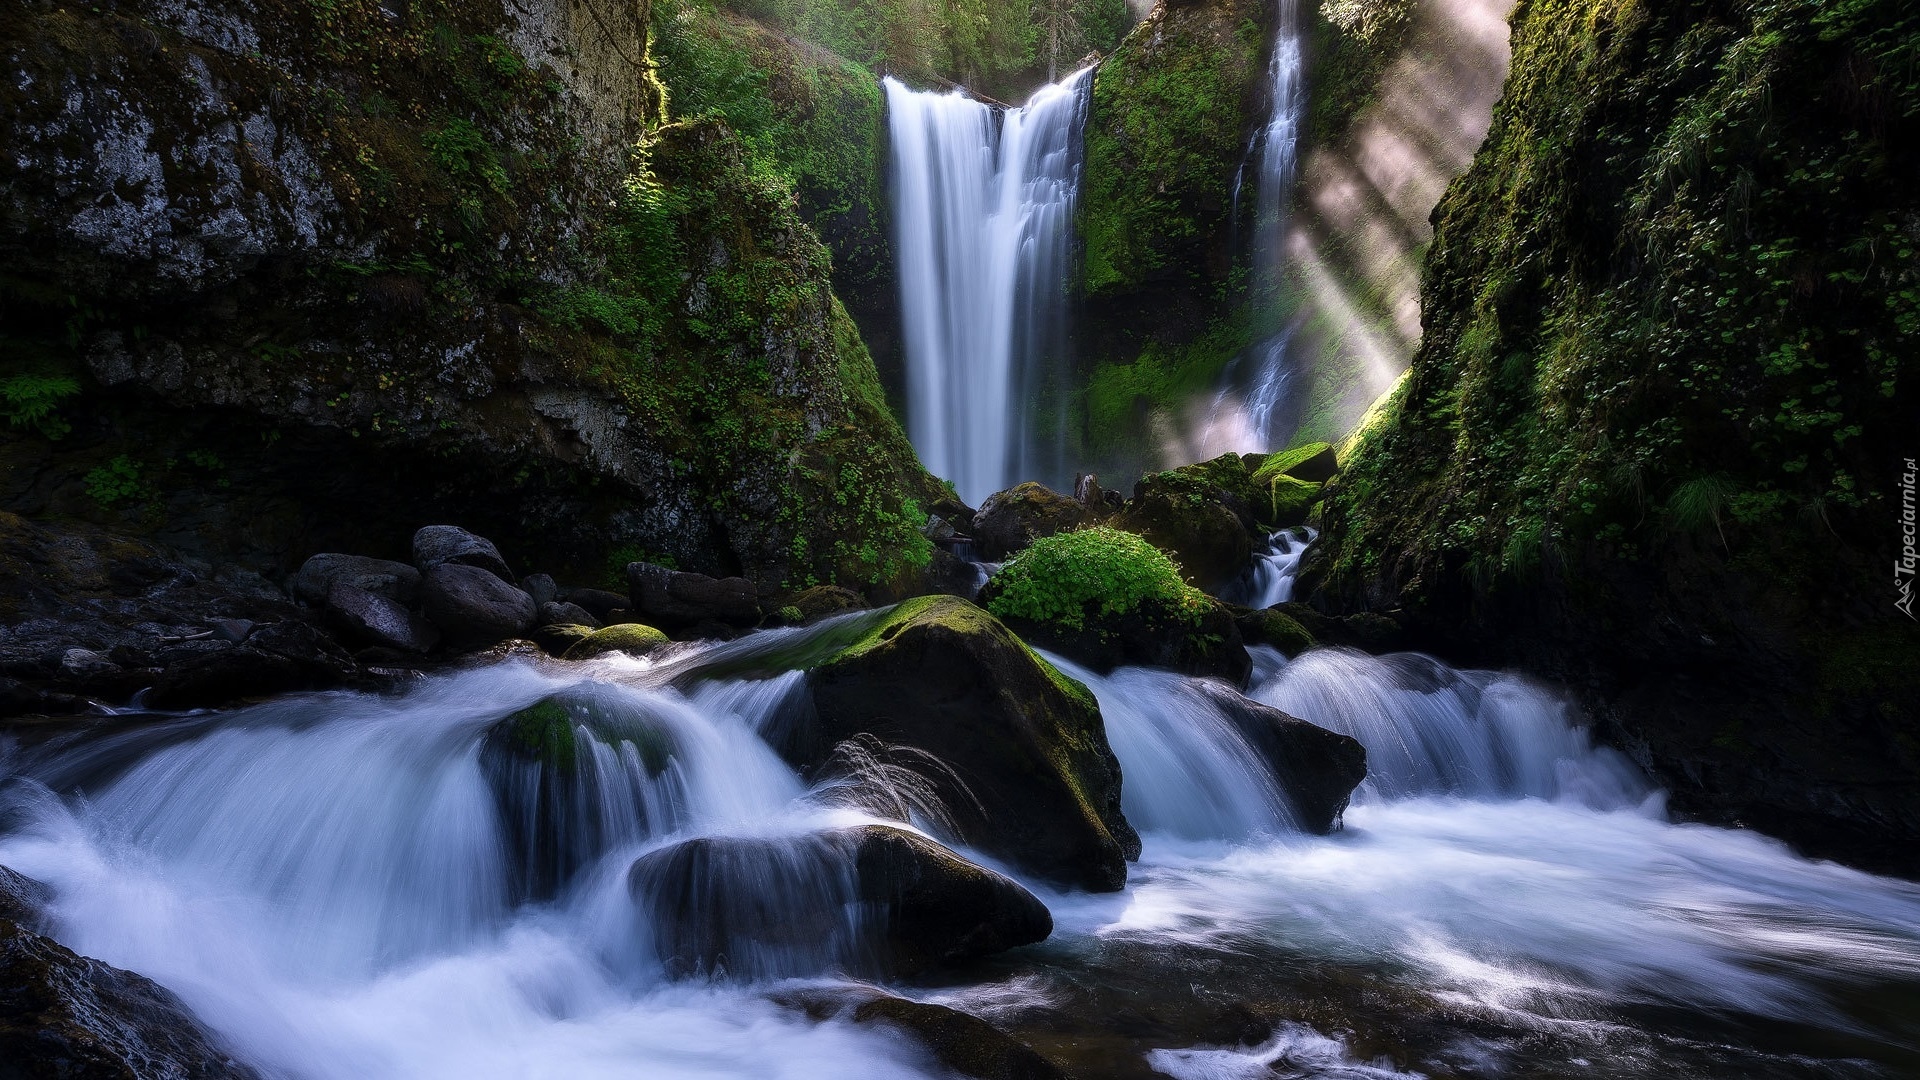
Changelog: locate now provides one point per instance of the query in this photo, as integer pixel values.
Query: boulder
(1185, 516)
(371, 619)
(1368, 631)
(634, 639)
(1313, 463)
(1010, 520)
(600, 602)
(937, 674)
(437, 545)
(474, 607)
(1154, 634)
(541, 587)
(561, 613)
(966, 1045)
(555, 639)
(1317, 768)
(1289, 501)
(1271, 626)
(382, 577)
(780, 905)
(551, 802)
(674, 598)
(820, 602)
(64, 1015)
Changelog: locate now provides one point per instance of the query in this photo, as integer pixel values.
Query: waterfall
(1250, 412)
(1269, 580)
(983, 205)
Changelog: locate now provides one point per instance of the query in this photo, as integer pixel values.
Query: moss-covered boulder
(549, 766)
(811, 605)
(1288, 501)
(1313, 462)
(1010, 520)
(1102, 597)
(634, 639)
(1270, 626)
(1042, 787)
(870, 899)
(1185, 515)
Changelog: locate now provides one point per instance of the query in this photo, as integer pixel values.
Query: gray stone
(675, 598)
(554, 613)
(474, 607)
(394, 580)
(541, 588)
(438, 544)
(371, 619)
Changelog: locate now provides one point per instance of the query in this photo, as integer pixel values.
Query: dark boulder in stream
(869, 898)
(1010, 520)
(1318, 769)
(473, 606)
(964, 1043)
(65, 1015)
(1042, 787)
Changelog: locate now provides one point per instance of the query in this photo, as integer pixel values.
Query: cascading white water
(1270, 580)
(332, 881)
(983, 206)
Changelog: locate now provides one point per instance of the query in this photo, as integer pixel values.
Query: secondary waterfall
(983, 204)
(340, 885)
(1250, 412)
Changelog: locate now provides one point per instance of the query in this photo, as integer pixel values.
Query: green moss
(544, 732)
(1067, 577)
(1288, 499)
(1164, 135)
(1286, 461)
(634, 639)
(1278, 629)
(1122, 398)
(1678, 292)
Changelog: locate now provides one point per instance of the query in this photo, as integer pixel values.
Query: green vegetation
(1064, 578)
(118, 481)
(1165, 133)
(1356, 40)
(1121, 397)
(1699, 334)
(32, 400)
(634, 639)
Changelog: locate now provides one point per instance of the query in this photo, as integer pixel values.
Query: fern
(33, 400)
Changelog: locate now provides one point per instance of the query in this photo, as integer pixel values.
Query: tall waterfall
(983, 205)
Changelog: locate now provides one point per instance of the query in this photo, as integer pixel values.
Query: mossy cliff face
(1652, 442)
(812, 116)
(322, 272)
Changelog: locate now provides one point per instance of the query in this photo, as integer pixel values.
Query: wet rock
(1186, 519)
(634, 639)
(436, 545)
(541, 588)
(561, 613)
(1368, 631)
(1317, 768)
(819, 602)
(20, 699)
(474, 607)
(232, 631)
(64, 1015)
(371, 619)
(1041, 785)
(780, 905)
(674, 598)
(1010, 520)
(382, 577)
(600, 602)
(965, 1044)
(556, 638)
(1154, 634)
(551, 793)
(22, 899)
(277, 658)
(1313, 463)
(1273, 627)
